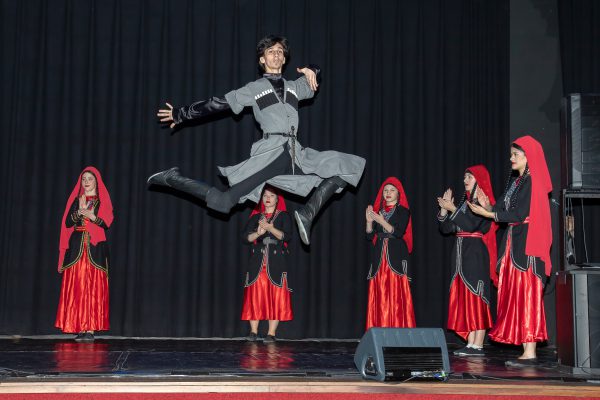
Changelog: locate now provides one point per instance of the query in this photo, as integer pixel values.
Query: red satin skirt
(265, 301)
(83, 303)
(467, 312)
(390, 303)
(521, 318)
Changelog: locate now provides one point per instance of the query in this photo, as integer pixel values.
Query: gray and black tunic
(274, 102)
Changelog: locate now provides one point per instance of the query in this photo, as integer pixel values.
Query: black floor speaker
(389, 354)
(578, 320)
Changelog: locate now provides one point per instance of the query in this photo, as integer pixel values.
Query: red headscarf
(403, 201)
(482, 176)
(260, 206)
(539, 237)
(105, 212)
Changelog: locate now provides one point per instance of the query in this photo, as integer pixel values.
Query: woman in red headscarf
(524, 251)
(469, 305)
(389, 228)
(83, 258)
(266, 292)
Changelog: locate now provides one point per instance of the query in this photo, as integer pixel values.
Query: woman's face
(518, 160)
(469, 181)
(269, 199)
(390, 194)
(88, 181)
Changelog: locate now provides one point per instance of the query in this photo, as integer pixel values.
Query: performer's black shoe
(522, 362)
(471, 352)
(252, 337)
(305, 216)
(460, 352)
(269, 339)
(86, 337)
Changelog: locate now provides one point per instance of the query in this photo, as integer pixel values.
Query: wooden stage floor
(57, 364)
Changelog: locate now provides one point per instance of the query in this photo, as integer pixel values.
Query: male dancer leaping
(277, 158)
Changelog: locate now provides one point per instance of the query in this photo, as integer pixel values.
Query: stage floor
(56, 359)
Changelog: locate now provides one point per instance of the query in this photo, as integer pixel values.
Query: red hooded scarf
(482, 176)
(539, 237)
(403, 201)
(105, 212)
(260, 206)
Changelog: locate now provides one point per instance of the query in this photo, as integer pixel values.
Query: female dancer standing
(469, 306)
(524, 251)
(389, 228)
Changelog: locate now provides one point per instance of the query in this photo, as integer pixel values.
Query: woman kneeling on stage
(266, 292)
(389, 228)
(524, 250)
(469, 305)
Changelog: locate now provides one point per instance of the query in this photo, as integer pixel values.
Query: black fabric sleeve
(283, 222)
(467, 221)
(250, 227)
(446, 225)
(370, 235)
(99, 221)
(399, 221)
(200, 109)
(317, 70)
(72, 218)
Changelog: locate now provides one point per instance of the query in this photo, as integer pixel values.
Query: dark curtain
(419, 89)
(580, 45)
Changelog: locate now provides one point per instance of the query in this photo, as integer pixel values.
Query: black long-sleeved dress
(468, 306)
(266, 291)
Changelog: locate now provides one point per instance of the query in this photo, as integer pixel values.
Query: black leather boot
(172, 178)
(304, 216)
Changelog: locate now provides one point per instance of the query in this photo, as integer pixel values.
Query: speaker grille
(404, 362)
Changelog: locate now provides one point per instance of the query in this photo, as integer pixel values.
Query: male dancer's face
(273, 59)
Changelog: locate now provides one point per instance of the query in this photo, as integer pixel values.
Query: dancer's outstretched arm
(199, 109)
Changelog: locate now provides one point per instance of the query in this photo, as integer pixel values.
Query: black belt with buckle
(267, 241)
(267, 134)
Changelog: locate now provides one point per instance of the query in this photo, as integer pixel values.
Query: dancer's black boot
(304, 216)
(214, 198)
(172, 178)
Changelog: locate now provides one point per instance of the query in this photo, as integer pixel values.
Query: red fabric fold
(403, 201)
(467, 312)
(390, 303)
(83, 303)
(539, 236)
(265, 301)
(521, 317)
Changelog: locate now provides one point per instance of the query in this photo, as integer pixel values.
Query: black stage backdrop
(419, 89)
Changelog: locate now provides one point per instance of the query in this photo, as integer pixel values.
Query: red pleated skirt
(83, 303)
(521, 318)
(390, 303)
(265, 301)
(467, 312)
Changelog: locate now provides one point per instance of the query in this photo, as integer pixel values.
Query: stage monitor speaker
(580, 141)
(578, 321)
(386, 354)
